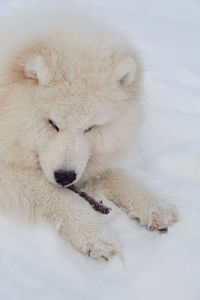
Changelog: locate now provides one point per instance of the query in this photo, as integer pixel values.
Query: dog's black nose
(64, 177)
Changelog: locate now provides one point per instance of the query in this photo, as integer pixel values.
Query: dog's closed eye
(89, 129)
(53, 124)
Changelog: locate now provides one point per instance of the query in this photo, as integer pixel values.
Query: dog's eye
(89, 129)
(53, 125)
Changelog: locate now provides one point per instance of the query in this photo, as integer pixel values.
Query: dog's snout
(64, 177)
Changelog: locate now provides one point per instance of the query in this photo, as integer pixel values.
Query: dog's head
(70, 108)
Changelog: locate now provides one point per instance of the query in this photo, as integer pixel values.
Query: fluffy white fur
(59, 62)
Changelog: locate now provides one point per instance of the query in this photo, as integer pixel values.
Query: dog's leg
(139, 204)
(30, 195)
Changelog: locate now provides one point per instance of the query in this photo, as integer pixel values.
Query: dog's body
(70, 105)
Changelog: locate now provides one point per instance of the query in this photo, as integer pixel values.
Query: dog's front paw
(101, 249)
(160, 218)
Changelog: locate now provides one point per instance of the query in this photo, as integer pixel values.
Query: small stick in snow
(98, 206)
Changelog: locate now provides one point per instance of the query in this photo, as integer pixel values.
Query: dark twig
(97, 205)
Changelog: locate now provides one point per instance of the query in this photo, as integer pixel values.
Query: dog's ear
(31, 64)
(38, 70)
(125, 70)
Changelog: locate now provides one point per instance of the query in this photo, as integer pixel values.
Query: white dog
(70, 105)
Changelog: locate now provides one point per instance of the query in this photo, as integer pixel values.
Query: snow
(36, 264)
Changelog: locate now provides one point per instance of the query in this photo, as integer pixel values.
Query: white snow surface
(36, 264)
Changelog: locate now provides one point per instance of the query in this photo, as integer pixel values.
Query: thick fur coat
(70, 105)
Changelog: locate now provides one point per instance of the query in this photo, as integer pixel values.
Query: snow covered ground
(36, 264)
